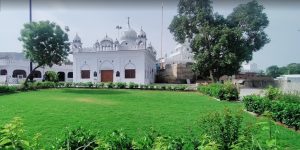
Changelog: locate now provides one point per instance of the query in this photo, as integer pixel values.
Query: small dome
(116, 42)
(129, 35)
(142, 34)
(106, 38)
(77, 38)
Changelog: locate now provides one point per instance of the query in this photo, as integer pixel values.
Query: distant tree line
(275, 71)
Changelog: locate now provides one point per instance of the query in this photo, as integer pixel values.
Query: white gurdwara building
(129, 60)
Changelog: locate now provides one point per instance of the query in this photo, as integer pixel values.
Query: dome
(116, 42)
(142, 34)
(106, 38)
(129, 35)
(77, 38)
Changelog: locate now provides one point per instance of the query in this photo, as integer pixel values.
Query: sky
(92, 20)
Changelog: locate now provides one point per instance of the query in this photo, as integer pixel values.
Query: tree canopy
(220, 44)
(44, 43)
(275, 71)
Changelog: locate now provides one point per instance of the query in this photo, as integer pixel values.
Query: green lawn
(175, 113)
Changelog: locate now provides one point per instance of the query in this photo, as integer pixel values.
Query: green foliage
(256, 104)
(225, 128)
(120, 85)
(79, 138)
(99, 85)
(51, 76)
(226, 91)
(220, 44)
(132, 85)
(11, 136)
(45, 44)
(275, 71)
(8, 89)
(115, 141)
(281, 110)
(109, 85)
(273, 93)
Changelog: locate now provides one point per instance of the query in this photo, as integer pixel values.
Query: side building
(14, 68)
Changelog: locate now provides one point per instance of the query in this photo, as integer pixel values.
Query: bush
(78, 139)
(273, 93)
(132, 85)
(116, 140)
(281, 110)
(120, 85)
(99, 85)
(8, 89)
(226, 129)
(256, 104)
(109, 85)
(51, 76)
(226, 91)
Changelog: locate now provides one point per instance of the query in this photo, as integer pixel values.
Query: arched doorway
(37, 74)
(61, 76)
(19, 74)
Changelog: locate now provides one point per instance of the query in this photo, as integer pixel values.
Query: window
(129, 73)
(37, 74)
(19, 74)
(3, 72)
(85, 74)
(117, 74)
(95, 74)
(70, 74)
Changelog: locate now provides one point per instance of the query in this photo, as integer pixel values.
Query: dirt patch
(95, 101)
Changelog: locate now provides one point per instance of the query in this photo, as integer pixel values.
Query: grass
(49, 112)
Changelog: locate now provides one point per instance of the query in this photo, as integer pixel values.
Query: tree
(45, 44)
(273, 71)
(220, 44)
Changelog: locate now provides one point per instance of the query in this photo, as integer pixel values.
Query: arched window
(95, 74)
(37, 74)
(118, 74)
(3, 72)
(19, 74)
(70, 74)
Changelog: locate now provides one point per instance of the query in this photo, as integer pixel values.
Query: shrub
(51, 76)
(11, 135)
(281, 110)
(89, 84)
(99, 85)
(256, 104)
(116, 140)
(109, 85)
(225, 128)
(273, 93)
(78, 139)
(120, 85)
(8, 89)
(69, 84)
(226, 91)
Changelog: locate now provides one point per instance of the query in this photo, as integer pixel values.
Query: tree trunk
(30, 74)
(211, 75)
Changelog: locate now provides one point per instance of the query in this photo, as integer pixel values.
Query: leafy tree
(44, 43)
(273, 71)
(220, 44)
(51, 76)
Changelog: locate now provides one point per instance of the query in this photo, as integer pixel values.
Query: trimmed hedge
(282, 110)
(226, 91)
(8, 89)
(110, 85)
